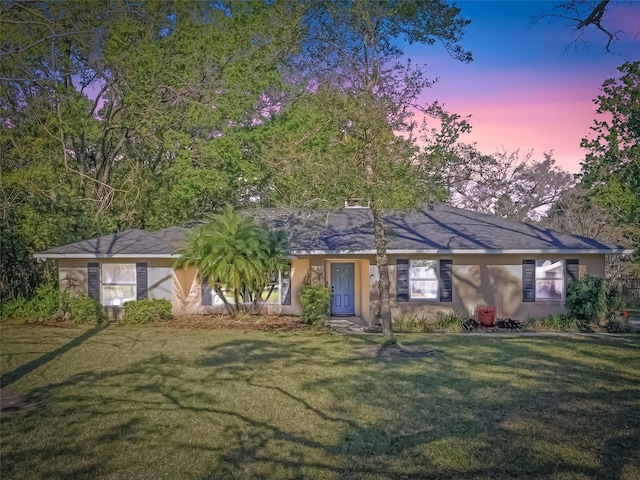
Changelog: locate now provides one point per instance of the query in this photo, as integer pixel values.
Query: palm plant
(235, 256)
(275, 259)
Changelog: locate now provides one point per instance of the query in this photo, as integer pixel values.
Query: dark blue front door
(342, 289)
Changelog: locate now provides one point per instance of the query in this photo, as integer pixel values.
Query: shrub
(615, 299)
(316, 303)
(41, 306)
(146, 311)
(617, 322)
(470, 324)
(86, 311)
(508, 324)
(440, 322)
(587, 299)
(45, 302)
(14, 308)
(555, 323)
(412, 323)
(451, 322)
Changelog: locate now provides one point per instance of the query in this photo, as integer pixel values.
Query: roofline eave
(45, 256)
(455, 251)
(297, 253)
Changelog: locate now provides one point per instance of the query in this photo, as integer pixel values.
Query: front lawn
(168, 403)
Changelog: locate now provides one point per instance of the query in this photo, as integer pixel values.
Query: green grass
(158, 403)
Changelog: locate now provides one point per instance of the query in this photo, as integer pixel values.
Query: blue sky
(529, 86)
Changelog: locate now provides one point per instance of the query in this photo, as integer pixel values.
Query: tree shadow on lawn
(21, 371)
(291, 408)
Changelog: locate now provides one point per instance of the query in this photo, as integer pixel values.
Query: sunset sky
(529, 87)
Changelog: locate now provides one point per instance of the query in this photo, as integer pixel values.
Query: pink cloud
(541, 120)
(525, 109)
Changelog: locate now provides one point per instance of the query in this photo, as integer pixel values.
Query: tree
(508, 184)
(455, 160)
(576, 212)
(362, 95)
(583, 14)
(611, 170)
(104, 104)
(235, 256)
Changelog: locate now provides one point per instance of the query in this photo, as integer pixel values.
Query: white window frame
(436, 266)
(103, 284)
(550, 281)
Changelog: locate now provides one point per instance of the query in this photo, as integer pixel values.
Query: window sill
(549, 302)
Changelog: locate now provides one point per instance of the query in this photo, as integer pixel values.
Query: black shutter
(446, 280)
(528, 280)
(93, 277)
(402, 280)
(573, 269)
(286, 287)
(206, 293)
(141, 281)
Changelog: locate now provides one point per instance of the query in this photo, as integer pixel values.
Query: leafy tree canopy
(612, 168)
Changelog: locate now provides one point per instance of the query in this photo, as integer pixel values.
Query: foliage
(316, 303)
(611, 171)
(508, 184)
(587, 299)
(450, 321)
(41, 306)
(363, 93)
(470, 324)
(615, 300)
(555, 322)
(617, 322)
(104, 104)
(86, 311)
(236, 256)
(585, 16)
(508, 324)
(413, 323)
(146, 311)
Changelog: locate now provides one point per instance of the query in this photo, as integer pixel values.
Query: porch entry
(343, 289)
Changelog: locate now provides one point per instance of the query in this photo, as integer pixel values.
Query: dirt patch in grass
(16, 404)
(265, 323)
(396, 351)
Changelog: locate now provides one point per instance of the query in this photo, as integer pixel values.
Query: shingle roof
(440, 229)
(130, 243)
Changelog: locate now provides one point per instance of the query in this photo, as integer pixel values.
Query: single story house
(440, 258)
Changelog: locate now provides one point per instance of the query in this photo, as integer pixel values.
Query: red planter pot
(486, 316)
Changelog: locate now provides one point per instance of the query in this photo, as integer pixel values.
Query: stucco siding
(476, 279)
(494, 280)
(187, 293)
(159, 274)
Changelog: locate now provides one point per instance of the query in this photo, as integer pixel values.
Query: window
(227, 295)
(118, 283)
(423, 279)
(277, 291)
(271, 292)
(549, 279)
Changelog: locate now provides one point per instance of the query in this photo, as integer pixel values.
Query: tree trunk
(220, 293)
(383, 267)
